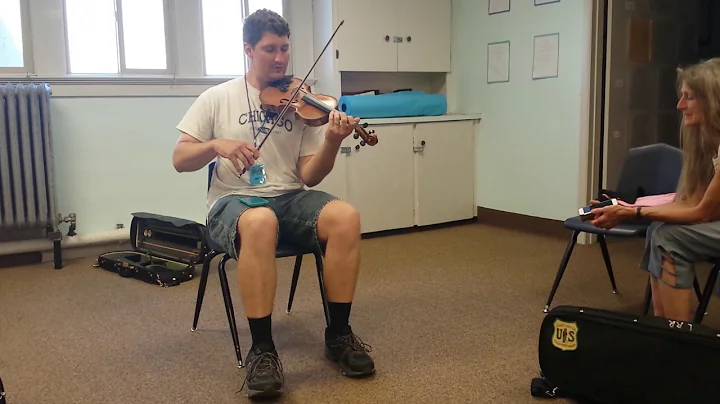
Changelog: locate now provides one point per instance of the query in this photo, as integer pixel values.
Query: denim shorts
(297, 213)
(683, 245)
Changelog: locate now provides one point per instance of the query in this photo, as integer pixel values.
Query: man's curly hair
(262, 21)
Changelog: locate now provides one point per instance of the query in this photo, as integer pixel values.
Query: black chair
(648, 170)
(282, 250)
(703, 299)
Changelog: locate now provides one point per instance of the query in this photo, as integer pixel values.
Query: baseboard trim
(490, 217)
(21, 259)
(87, 251)
(524, 223)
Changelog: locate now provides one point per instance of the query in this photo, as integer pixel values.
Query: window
(116, 36)
(135, 47)
(14, 51)
(223, 32)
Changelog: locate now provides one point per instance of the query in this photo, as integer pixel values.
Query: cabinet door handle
(418, 149)
(408, 39)
(387, 38)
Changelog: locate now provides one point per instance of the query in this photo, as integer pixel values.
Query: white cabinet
(444, 172)
(393, 35)
(425, 29)
(335, 183)
(365, 41)
(418, 174)
(380, 184)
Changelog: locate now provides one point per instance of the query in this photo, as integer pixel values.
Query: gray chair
(648, 170)
(282, 250)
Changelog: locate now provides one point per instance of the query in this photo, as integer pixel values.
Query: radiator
(27, 186)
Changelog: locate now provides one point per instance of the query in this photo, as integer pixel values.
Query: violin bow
(297, 90)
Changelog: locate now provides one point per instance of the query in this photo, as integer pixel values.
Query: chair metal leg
(229, 308)
(561, 269)
(293, 285)
(606, 258)
(648, 298)
(707, 294)
(698, 293)
(648, 295)
(321, 281)
(696, 285)
(201, 288)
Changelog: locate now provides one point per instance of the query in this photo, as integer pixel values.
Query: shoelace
(263, 363)
(355, 343)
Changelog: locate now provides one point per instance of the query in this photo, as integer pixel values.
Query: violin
(311, 109)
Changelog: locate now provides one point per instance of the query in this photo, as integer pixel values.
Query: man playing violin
(227, 123)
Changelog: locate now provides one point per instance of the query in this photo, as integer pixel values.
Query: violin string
(275, 122)
(312, 96)
(359, 127)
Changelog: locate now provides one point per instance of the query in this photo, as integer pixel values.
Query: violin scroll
(368, 137)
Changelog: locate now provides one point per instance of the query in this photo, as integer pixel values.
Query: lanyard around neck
(251, 115)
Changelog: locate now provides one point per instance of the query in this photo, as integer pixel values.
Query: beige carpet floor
(452, 315)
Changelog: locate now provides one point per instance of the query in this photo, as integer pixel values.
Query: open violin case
(165, 250)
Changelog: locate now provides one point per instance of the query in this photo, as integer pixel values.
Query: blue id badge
(257, 174)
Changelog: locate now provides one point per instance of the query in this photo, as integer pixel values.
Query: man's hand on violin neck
(340, 126)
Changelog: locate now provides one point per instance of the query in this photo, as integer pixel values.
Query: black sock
(339, 317)
(261, 330)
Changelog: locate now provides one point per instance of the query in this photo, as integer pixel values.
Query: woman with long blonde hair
(686, 231)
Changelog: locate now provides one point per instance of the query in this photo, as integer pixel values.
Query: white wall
(113, 137)
(533, 136)
(113, 157)
(113, 154)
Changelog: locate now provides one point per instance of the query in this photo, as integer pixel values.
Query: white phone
(584, 211)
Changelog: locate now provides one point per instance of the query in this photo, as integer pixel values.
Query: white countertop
(419, 119)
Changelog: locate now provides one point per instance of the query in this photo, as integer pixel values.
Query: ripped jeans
(297, 214)
(682, 245)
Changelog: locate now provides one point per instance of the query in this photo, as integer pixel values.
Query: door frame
(595, 105)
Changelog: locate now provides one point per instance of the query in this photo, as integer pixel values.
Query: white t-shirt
(222, 112)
